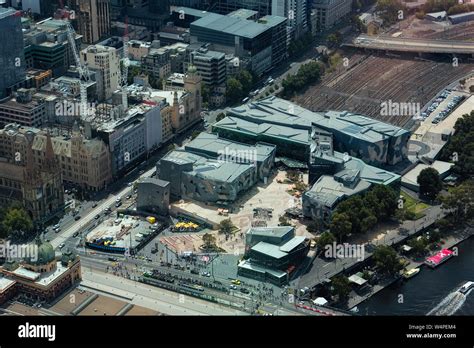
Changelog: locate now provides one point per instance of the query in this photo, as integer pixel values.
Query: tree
(205, 92)
(430, 183)
(460, 201)
(340, 225)
(387, 260)
(460, 148)
(209, 241)
(418, 245)
(334, 39)
(389, 10)
(235, 90)
(16, 223)
(226, 227)
(341, 287)
(326, 238)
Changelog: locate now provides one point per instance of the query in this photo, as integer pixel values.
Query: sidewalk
(450, 241)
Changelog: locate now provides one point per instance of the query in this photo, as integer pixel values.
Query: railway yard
(370, 80)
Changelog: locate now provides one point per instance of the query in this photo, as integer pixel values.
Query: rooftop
(214, 146)
(192, 12)
(243, 13)
(281, 112)
(5, 283)
(327, 191)
(210, 169)
(5, 12)
(278, 231)
(269, 249)
(250, 266)
(48, 278)
(369, 173)
(411, 177)
(236, 25)
(271, 130)
(26, 273)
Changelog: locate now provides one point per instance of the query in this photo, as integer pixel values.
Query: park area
(413, 205)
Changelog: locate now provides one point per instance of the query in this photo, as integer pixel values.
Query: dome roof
(192, 69)
(45, 254)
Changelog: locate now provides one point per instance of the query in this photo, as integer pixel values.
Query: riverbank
(450, 241)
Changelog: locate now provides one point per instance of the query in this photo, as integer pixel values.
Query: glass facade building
(12, 59)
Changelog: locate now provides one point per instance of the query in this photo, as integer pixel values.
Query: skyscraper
(93, 19)
(295, 11)
(12, 61)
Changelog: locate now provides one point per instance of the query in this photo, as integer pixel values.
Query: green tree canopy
(326, 238)
(387, 260)
(460, 201)
(226, 227)
(341, 287)
(340, 225)
(430, 183)
(15, 223)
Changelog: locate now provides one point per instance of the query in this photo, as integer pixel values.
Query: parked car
(77, 217)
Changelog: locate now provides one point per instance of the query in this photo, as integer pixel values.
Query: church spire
(49, 159)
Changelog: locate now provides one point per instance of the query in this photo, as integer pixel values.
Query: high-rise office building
(93, 19)
(104, 61)
(12, 61)
(329, 12)
(296, 13)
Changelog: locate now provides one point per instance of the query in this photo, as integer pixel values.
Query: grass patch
(413, 205)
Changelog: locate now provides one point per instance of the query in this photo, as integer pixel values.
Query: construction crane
(66, 16)
(125, 65)
(81, 68)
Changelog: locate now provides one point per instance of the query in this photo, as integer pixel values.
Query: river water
(432, 291)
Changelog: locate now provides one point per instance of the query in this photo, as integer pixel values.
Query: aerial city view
(236, 158)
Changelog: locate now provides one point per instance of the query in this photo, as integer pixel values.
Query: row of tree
(386, 260)
(450, 6)
(460, 148)
(307, 74)
(359, 213)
